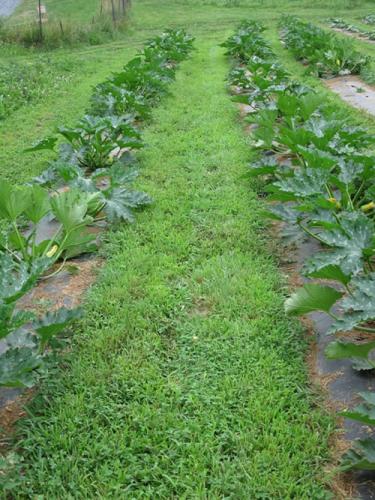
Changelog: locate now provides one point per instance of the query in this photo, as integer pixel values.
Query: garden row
(370, 19)
(86, 188)
(326, 54)
(320, 179)
(341, 24)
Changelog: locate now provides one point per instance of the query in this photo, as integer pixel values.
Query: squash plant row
(320, 176)
(370, 19)
(86, 186)
(351, 28)
(327, 54)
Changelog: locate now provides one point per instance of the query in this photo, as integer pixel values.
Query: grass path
(186, 380)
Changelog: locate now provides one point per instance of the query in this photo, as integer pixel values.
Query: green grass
(186, 380)
(65, 10)
(62, 105)
(66, 23)
(21, 82)
(262, 4)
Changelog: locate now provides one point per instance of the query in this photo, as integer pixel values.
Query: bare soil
(354, 91)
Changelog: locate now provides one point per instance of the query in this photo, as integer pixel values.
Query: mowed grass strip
(186, 379)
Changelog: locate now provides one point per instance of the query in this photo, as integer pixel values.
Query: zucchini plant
(145, 79)
(96, 142)
(351, 28)
(111, 188)
(319, 175)
(149, 78)
(25, 335)
(370, 19)
(26, 209)
(261, 79)
(112, 100)
(325, 52)
(173, 44)
(247, 40)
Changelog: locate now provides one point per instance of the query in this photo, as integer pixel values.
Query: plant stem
(315, 236)
(358, 192)
(364, 329)
(20, 241)
(58, 270)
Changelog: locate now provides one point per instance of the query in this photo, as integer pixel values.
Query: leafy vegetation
(21, 83)
(167, 282)
(96, 142)
(363, 455)
(370, 19)
(95, 167)
(320, 178)
(26, 335)
(29, 207)
(326, 54)
(109, 187)
(185, 368)
(351, 28)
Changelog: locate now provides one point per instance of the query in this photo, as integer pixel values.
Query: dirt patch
(245, 109)
(354, 91)
(65, 289)
(9, 415)
(249, 129)
(202, 307)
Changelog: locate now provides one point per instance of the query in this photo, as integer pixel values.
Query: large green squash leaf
(359, 307)
(357, 353)
(17, 366)
(54, 322)
(362, 457)
(13, 201)
(38, 205)
(120, 202)
(311, 298)
(349, 245)
(70, 209)
(331, 272)
(365, 412)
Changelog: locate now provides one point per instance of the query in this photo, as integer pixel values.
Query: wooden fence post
(113, 12)
(40, 20)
